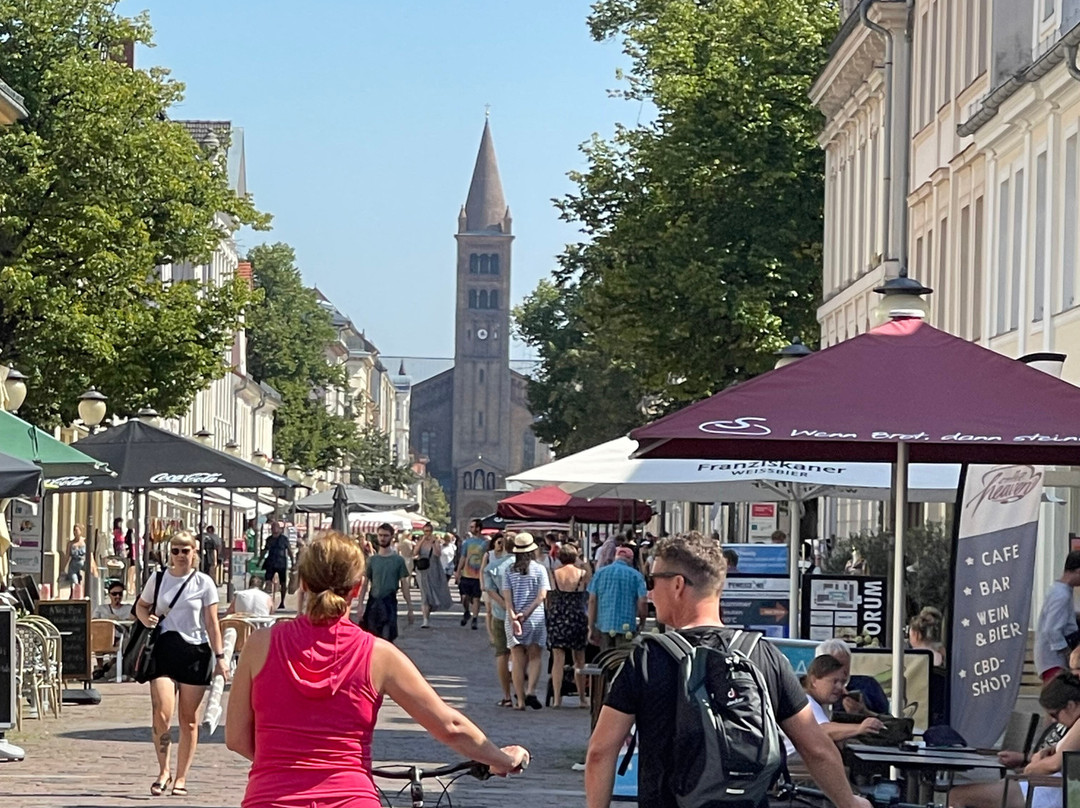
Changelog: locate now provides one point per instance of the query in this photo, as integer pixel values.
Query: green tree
(436, 507)
(97, 187)
(582, 395)
(288, 331)
(702, 227)
(373, 464)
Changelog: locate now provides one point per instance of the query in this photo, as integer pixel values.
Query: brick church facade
(473, 422)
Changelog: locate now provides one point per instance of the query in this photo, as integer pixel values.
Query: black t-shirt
(653, 704)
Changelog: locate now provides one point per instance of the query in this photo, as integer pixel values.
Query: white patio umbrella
(608, 470)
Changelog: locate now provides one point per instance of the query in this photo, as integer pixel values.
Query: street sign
(758, 602)
(851, 607)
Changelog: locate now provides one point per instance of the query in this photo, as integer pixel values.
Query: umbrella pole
(229, 550)
(900, 476)
(793, 567)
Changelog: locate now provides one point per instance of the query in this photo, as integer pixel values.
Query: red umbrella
(554, 504)
(906, 382)
(904, 391)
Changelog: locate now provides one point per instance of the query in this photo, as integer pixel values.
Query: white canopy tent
(607, 470)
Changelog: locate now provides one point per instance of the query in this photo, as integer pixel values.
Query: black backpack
(727, 748)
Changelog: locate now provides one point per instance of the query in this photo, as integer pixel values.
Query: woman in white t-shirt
(184, 655)
(824, 685)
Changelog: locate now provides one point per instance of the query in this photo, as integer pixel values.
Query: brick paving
(101, 757)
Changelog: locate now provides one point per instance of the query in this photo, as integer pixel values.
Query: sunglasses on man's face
(181, 551)
(650, 579)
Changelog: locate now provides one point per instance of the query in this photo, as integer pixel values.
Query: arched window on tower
(480, 375)
(478, 479)
(491, 480)
(485, 267)
(494, 264)
(493, 299)
(528, 449)
(483, 302)
(472, 298)
(480, 418)
(474, 263)
(466, 480)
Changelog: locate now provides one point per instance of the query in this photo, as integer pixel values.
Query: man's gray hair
(834, 648)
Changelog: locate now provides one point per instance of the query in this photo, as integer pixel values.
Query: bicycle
(882, 794)
(416, 775)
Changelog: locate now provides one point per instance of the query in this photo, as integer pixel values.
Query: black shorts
(181, 661)
(282, 574)
(469, 587)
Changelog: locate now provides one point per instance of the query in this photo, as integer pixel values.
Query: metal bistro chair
(36, 669)
(53, 645)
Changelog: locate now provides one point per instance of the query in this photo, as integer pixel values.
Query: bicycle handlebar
(795, 792)
(481, 771)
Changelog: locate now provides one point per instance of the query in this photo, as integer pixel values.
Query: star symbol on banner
(962, 674)
(967, 590)
(969, 561)
(965, 622)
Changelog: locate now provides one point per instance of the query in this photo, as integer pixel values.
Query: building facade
(977, 196)
(472, 422)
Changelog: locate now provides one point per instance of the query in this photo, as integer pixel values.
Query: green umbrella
(64, 466)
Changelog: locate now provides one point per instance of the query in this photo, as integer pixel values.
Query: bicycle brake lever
(480, 771)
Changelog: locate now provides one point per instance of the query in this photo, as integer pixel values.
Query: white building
(977, 196)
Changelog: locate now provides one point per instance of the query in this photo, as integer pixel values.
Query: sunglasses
(115, 594)
(181, 551)
(650, 579)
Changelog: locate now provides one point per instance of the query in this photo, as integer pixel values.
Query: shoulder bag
(139, 655)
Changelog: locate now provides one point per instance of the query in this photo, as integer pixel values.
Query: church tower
(482, 454)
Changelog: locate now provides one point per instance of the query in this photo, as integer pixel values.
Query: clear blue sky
(362, 119)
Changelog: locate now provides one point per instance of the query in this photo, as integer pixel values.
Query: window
(1039, 280)
(965, 271)
(1017, 249)
(1048, 9)
(984, 35)
(478, 479)
(939, 296)
(474, 263)
(528, 449)
(1068, 266)
(483, 302)
(493, 299)
(472, 298)
(947, 32)
(491, 480)
(480, 418)
(977, 271)
(466, 480)
(426, 439)
(485, 266)
(971, 44)
(1002, 291)
(932, 54)
(479, 375)
(494, 264)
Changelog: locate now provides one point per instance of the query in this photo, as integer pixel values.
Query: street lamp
(277, 465)
(295, 473)
(92, 407)
(232, 447)
(901, 296)
(260, 458)
(791, 354)
(203, 436)
(14, 389)
(149, 415)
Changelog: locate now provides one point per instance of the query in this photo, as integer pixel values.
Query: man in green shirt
(385, 572)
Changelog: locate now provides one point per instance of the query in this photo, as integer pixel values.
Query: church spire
(485, 207)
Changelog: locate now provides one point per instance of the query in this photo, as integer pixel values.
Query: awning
(358, 499)
(554, 504)
(64, 466)
(18, 477)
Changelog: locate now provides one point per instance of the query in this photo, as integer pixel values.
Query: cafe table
(914, 763)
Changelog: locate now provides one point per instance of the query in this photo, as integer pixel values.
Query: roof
(485, 207)
(11, 99)
(225, 133)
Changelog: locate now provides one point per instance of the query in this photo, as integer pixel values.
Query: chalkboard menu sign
(72, 618)
(7, 667)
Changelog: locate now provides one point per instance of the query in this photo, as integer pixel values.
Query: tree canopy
(701, 227)
(97, 187)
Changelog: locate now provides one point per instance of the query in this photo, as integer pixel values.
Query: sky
(362, 119)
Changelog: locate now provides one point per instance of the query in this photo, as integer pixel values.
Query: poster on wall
(759, 559)
(763, 517)
(758, 602)
(851, 607)
(26, 522)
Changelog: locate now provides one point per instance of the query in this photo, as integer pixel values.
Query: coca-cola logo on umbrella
(744, 426)
(198, 478)
(73, 481)
(1004, 484)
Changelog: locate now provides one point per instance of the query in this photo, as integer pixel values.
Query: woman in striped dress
(524, 590)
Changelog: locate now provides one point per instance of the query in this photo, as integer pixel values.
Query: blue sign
(760, 559)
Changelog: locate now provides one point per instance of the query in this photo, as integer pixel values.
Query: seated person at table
(115, 609)
(1060, 698)
(253, 600)
(862, 695)
(824, 684)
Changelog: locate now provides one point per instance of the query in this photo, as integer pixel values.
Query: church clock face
(481, 333)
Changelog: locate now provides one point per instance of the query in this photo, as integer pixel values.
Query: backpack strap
(744, 642)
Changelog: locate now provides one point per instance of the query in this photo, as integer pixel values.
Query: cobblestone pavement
(101, 757)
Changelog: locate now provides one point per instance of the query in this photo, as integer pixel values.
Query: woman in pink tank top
(306, 695)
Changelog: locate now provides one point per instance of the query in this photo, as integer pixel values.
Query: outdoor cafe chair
(103, 634)
(53, 646)
(36, 669)
(1034, 781)
(243, 630)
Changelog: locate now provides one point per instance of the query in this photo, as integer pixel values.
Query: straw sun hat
(523, 543)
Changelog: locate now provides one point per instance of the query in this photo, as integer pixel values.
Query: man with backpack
(708, 702)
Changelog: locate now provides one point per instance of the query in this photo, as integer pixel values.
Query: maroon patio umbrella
(552, 503)
(902, 392)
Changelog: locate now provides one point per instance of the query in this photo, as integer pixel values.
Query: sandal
(157, 788)
(505, 703)
(179, 791)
